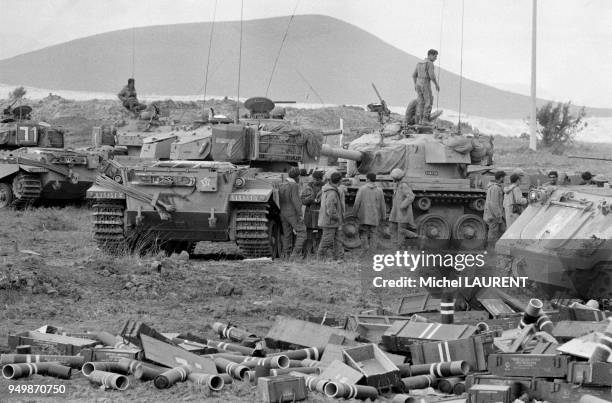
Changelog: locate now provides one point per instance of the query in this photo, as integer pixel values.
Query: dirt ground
(53, 274)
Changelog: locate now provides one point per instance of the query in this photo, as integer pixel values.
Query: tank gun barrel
(591, 157)
(332, 132)
(329, 151)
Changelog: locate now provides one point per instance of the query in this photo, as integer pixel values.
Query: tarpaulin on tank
(460, 144)
(381, 161)
(482, 150)
(229, 143)
(311, 139)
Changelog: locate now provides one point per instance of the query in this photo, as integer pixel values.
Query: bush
(557, 126)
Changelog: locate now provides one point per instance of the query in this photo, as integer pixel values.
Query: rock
(224, 289)
(105, 273)
(128, 285)
(184, 255)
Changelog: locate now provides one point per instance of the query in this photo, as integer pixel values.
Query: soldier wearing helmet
(401, 210)
(331, 218)
(291, 215)
(311, 198)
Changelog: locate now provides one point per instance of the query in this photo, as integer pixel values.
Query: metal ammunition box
(541, 365)
(48, 343)
(560, 392)
(282, 388)
(402, 334)
(490, 394)
(590, 373)
(110, 354)
(474, 350)
(519, 385)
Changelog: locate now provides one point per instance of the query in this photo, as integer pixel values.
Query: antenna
(281, 46)
(440, 52)
(461, 67)
(532, 120)
(133, 50)
(239, 64)
(212, 30)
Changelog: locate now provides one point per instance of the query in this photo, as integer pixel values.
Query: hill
(337, 59)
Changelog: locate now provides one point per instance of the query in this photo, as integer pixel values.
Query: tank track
(436, 197)
(253, 231)
(108, 224)
(26, 190)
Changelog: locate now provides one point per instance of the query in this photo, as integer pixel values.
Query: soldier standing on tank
(291, 215)
(311, 199)
(331, 217)
(423, 76)
(129, 99)
(371, 210)
(494, 209)
(401, 210)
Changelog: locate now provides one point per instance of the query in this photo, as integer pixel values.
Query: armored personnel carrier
(563, 240)
(229, 194)
(446, 172)
(35, 165)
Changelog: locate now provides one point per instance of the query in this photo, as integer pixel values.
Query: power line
(440, 51)
(310, 86)
(281, 46)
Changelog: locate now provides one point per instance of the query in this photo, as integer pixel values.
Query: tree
(557, 126)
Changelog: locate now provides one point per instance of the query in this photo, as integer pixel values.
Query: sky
(574, 56)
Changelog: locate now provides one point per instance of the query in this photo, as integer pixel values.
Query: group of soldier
(320, 205)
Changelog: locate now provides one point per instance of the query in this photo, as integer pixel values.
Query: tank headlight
(239, 182)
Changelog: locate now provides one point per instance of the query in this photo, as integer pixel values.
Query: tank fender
(254, 196)
(7, 170)
(97, 192)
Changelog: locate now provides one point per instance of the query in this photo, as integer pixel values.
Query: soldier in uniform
(494, 209)
(401, 210)
(371, 210)
(331, 217)
(128, 97)
(553, 179)
(311, 199)
(423, 76)
(291, 215)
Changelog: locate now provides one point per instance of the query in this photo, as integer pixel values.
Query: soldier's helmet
(397, 174)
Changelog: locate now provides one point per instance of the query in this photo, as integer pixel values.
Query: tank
(34, 165)
(563, 240)
(447, 173)
(229, 193)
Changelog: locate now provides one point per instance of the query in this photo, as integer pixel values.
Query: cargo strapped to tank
(217, 165)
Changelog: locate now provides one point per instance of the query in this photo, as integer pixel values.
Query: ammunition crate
(402, 334)
(559, 392)
(473, 350)
(110, 354)
(490, 394)
(49, 343)
(282, 388)
(590, 373)
(541, 365)
(519, 385)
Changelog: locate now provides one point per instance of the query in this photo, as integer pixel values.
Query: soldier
(553, 178)
(587, 178)
(370, 209)
(494, 209)
(129, 99)
(291, 215)
(311, 198)
(401, 210)
(513, 199)
(423, 76)
(331, 217)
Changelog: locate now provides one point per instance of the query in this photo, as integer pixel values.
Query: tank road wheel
(109, 225)
(26, 189)
(258, 232)
(469, 232)
(423, 203)
(434, 231)
(478, 204)
(6, 196)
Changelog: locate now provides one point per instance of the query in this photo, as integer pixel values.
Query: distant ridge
(337, 59)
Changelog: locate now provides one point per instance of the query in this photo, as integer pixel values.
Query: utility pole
(532, 121)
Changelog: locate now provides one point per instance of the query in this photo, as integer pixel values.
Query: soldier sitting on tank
(129, 99)
(291, 215)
